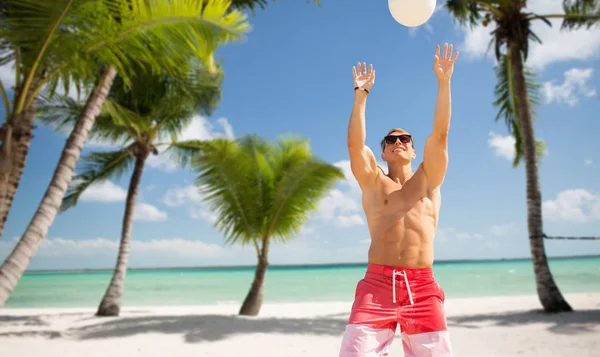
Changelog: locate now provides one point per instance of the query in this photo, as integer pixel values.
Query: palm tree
(178, 30)
(145, 117)
(511, 27)
(34, 38)
(261, 192)
(66, 41)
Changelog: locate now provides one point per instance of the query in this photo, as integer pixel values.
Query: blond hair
(396, 130)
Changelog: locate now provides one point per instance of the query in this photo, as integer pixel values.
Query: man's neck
(400, 172)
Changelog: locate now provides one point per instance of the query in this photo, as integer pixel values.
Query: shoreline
(297, 266)
(282, 304)
(503, 303)
(491, 327)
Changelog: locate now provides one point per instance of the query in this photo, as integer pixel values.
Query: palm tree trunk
(21, 140)
(111, 302)
(548, 292)
(254, 299)
(16, 263)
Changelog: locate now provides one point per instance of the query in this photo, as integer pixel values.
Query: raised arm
(435, 155)
(362, 160)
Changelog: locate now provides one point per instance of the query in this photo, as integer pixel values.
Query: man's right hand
(362, 77)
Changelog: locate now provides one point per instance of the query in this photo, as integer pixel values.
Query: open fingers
(455, 56)
(445, 50)
(361, 70)
(437, 51)
(450, 52)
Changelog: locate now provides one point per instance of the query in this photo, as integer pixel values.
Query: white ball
(411, 13)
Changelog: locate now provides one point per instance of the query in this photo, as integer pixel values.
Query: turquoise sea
(208, 286)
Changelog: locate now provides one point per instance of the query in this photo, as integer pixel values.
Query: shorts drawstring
(394, 285)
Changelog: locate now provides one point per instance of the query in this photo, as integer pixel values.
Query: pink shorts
(389, 296)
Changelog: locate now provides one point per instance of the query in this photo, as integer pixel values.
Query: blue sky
(293, 75)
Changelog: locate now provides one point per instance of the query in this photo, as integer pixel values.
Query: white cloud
(448, 234)
(189, 196)
(572, 89)
(7, 76)
(306, 231)
(451, 237)
(574, 205)
(557, 45)
(204, 214)
(178, 246)
(506, 229)
(61, 247)
(147, 212)
(104, 191)
(202, 129)
(587, 162)
(503, 146)
(342, 206)
(199, 129)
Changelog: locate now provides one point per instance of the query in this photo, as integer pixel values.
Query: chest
(391, 198)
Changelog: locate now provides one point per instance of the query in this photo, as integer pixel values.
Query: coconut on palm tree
(511, 22)
(262, 193)
(146, 118)
(110, 36)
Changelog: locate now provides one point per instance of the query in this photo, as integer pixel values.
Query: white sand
(500, 326)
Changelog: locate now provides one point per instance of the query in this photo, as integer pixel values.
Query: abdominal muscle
(402, 230)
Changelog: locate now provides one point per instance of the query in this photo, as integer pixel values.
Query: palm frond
(198, 93)
(62, 112)
(91, 35)
(259, 171)
(262, 191)
(178, 29)
(473, 12)
(301, 181)
(121, 123)
(28, 31)
(252, 5)
(506, 102)
(581, 14)
(59, 112)
(168, 103)
(221, 168)
(97, 167)
(182, 153)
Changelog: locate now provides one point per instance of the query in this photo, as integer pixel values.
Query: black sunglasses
(391, 139)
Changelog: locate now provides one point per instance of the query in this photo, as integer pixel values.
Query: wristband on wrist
(361, 88)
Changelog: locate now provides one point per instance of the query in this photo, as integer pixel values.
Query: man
(402, 210)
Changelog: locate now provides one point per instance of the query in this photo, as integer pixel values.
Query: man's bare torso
(402, 221)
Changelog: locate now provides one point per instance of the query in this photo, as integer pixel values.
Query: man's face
(398, 148)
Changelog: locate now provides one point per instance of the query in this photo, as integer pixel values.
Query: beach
(482, 326)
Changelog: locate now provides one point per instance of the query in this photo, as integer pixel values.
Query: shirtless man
(402, 210)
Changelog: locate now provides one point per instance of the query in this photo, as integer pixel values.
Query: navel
(385, 202)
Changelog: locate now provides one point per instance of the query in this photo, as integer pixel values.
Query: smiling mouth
(398, 149)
